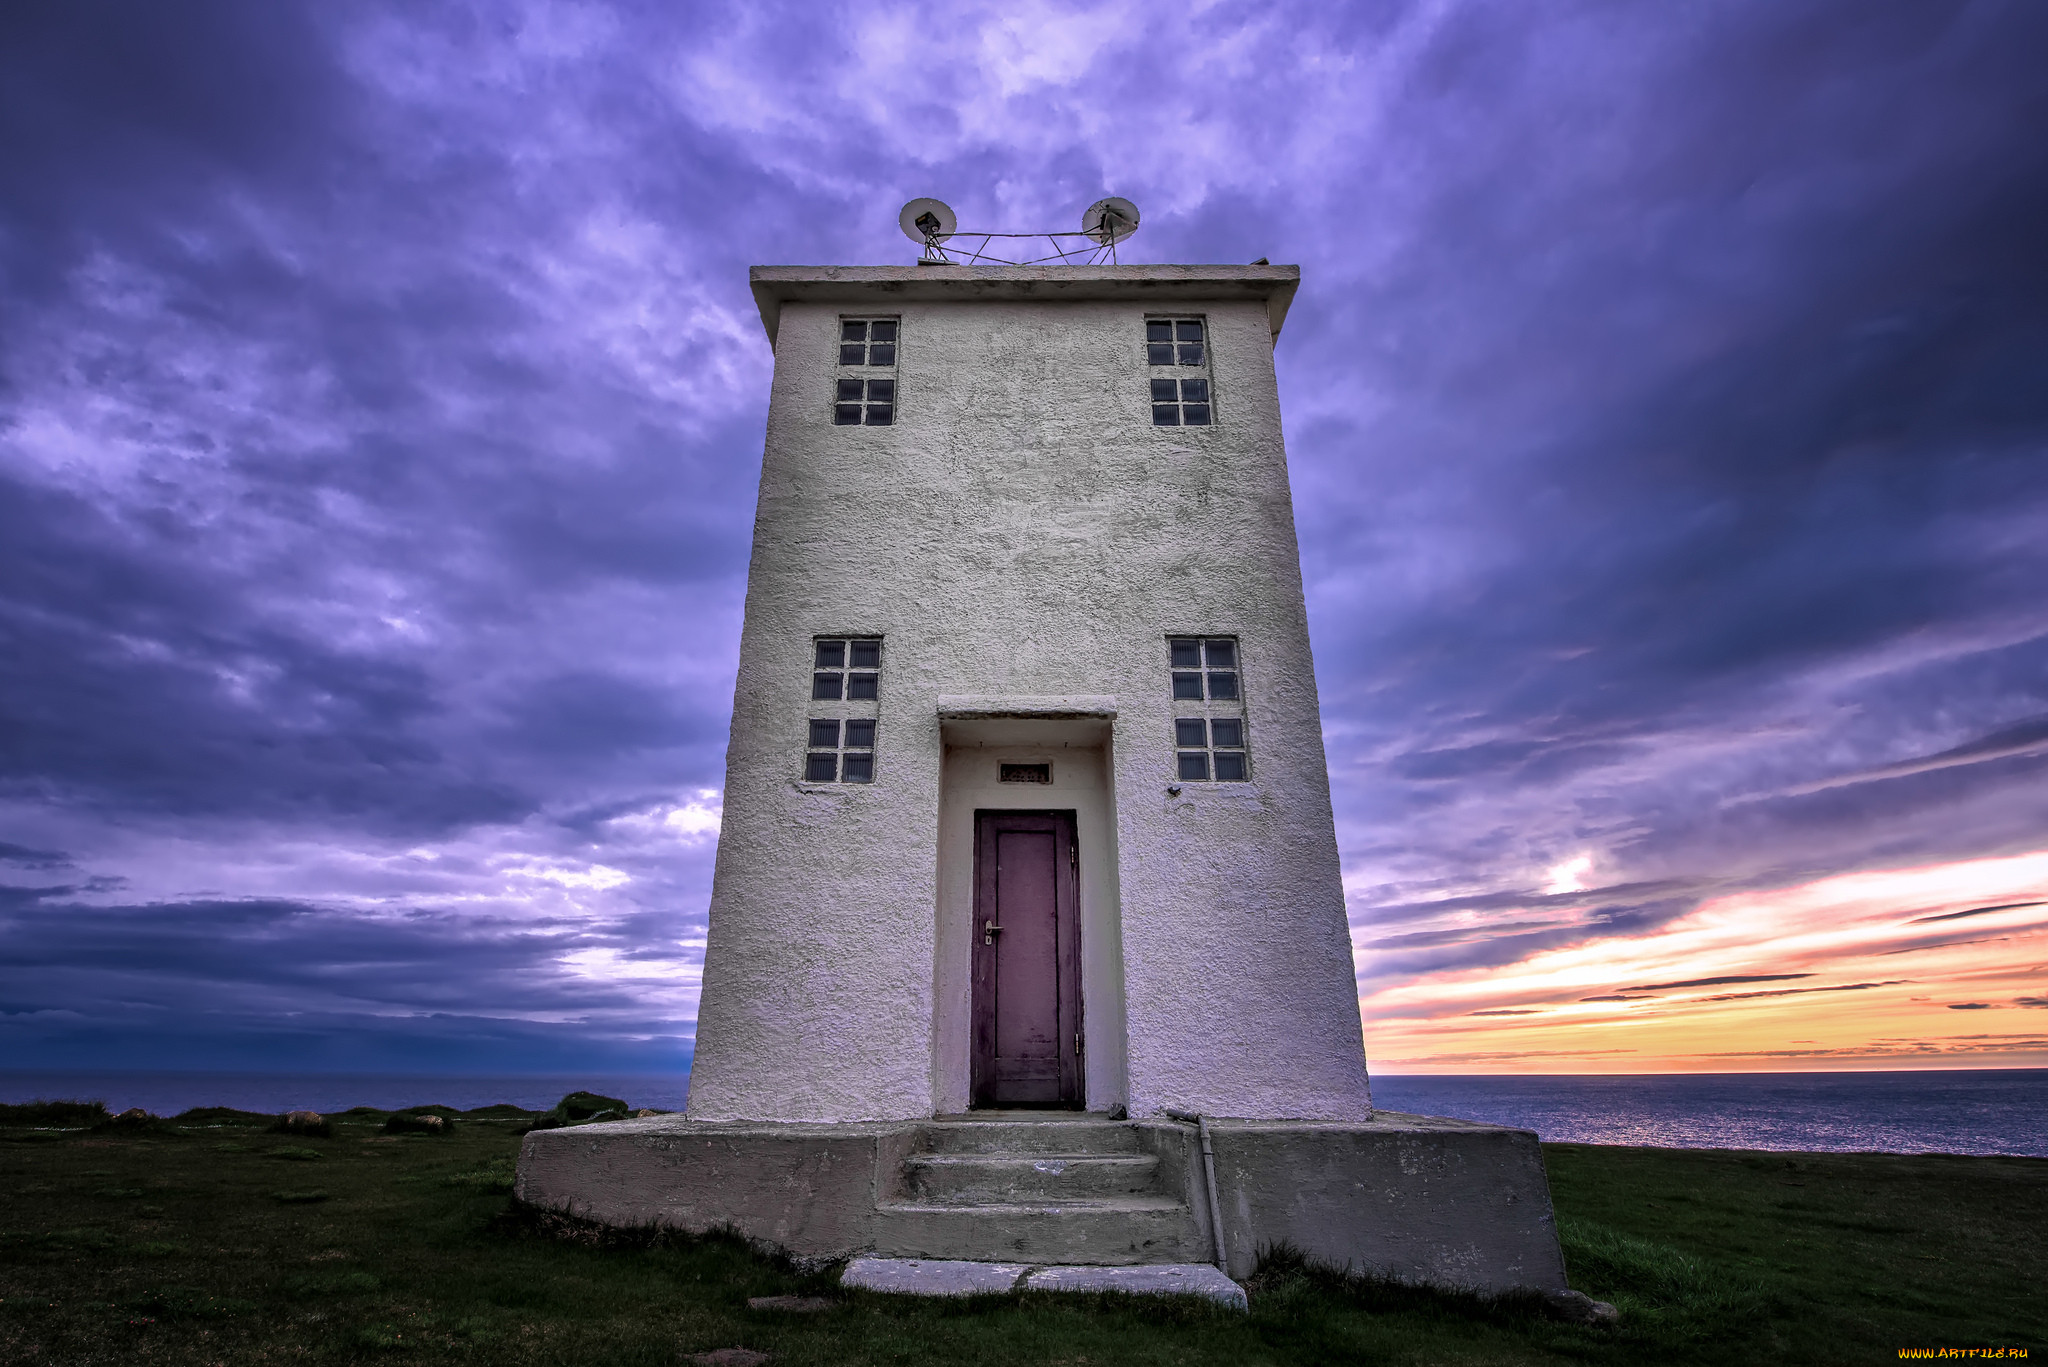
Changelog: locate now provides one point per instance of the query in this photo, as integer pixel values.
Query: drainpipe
(1201, 1123)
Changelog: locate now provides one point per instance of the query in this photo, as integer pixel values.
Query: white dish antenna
(1109, 221)
(927, 221)
(930, 224)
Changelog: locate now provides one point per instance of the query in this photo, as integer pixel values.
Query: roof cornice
(877, 287)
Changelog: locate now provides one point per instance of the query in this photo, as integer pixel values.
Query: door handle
(988, 932)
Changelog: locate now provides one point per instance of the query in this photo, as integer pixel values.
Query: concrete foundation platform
(1439, 1202)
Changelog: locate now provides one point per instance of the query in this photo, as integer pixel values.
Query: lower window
(864, 402)
(840, 752)
(1207, 748)
(1180, 403)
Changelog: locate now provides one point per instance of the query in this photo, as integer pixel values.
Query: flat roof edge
(880, 286)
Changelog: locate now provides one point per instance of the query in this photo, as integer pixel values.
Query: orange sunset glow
(1943, 966)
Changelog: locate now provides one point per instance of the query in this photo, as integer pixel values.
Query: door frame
(988, 824)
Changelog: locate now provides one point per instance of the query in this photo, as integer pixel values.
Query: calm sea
(170, 1093)
(1983, 1112)
(1987, 1111)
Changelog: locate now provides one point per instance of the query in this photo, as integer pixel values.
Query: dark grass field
(211, 1240)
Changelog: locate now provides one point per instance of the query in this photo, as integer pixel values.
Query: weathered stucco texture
(1022, 530)
(808, 1189)
(1414, 1198)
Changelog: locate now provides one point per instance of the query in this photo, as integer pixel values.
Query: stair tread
(1024, 1116)
(1031, 1139)
(1094, 1205)
(1073, 1134)
(1097, 1159)
(1065, 1131)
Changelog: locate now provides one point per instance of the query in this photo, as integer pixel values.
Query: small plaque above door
(1027, 773)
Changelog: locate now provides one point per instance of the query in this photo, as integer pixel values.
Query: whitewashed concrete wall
(1024, 530)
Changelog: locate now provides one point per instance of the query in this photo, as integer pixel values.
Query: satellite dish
(1110, 221)
(927, 220)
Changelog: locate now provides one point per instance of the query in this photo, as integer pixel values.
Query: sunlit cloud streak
(1586, 1007)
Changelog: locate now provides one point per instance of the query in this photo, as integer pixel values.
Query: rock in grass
(303, 1122)
(415, 1122)
(135, 1121)
(1576, 1307)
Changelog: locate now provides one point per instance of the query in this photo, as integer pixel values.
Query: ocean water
(170, 1093)
(1975, 1112)
(2002, 1111)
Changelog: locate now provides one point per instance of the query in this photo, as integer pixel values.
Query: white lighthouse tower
(1027, 842)
(1025, 545)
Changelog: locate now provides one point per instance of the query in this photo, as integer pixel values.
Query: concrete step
(940, 1277)
(1108, 1231)
(1009, 1178)
(1078, 1135)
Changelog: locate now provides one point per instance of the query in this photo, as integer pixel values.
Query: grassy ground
(211, 1240)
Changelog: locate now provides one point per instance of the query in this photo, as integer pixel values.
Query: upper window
(848, 669)
(866, 399)
(1174, 341)
(867, 341)
(1178, 346)
(1204, 668)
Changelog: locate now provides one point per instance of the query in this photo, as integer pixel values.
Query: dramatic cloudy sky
(380, 416)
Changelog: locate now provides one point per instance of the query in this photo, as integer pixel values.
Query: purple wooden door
(1027, 961)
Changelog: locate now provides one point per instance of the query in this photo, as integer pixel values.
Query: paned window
(1208, 725)
(865, 398)
(839, 748)
(1180, 403)
(1209, 747)
(1177, 346)
(841, 751)
(848, 669)
(1204, 668)
(867, 341)
(1173, 341)
(870, 403)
